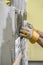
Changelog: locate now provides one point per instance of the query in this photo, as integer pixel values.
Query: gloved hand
(26, 32)
(29, 33)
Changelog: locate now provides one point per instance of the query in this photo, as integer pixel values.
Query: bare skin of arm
(40, 33)
(40, 41)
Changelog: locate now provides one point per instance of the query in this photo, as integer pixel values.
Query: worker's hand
(29, 33)
(26, 32)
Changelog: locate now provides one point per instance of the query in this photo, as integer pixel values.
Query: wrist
(35, 37)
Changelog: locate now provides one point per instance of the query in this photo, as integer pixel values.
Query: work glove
(29, 33)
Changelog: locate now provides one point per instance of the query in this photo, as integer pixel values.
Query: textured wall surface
(6, 34)
(3, 15)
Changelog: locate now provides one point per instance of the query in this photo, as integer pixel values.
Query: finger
(23, 35)
(24, 31)
(30, 26)
(25, 28)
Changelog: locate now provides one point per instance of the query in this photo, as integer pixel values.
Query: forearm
(40, 41)
(40, 33)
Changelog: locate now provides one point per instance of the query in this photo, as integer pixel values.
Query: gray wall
(2, 24)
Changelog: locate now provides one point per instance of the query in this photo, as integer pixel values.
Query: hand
(26, 32)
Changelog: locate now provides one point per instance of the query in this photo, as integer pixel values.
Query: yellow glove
(32, 35)
(35, 37)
